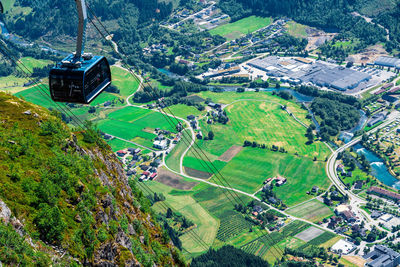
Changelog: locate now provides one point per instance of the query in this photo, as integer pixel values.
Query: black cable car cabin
(80, 77)
(82, 83)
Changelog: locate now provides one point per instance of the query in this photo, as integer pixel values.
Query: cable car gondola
(80, 77)
(1, 8)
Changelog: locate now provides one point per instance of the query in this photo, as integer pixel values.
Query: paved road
(355, 200)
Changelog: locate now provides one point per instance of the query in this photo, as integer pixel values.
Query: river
(378, 168)
(19, 41)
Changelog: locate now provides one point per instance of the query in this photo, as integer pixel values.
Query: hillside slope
(64, 198)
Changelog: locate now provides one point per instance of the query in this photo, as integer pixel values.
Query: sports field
(241, 27)
(314, 211)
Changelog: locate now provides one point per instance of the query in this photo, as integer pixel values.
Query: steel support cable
(41, 88)
(213, 167)
(176, 119)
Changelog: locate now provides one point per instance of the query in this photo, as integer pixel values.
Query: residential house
(199, 135)
(191, 117)
(258, 209)
(280, 180)
(160, 144)
(272, 200)
(153, 176)
(121, 153)
(358, 185)
(315, 189)
(376, 214)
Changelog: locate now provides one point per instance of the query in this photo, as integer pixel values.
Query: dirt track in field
(230, 153)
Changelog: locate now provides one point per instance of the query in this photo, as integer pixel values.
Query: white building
(162, 144)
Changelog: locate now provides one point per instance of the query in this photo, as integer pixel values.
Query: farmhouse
(315, 189)
(358, 184)
(384, 193)
(382, 256)
(121, 153)
(280, 180)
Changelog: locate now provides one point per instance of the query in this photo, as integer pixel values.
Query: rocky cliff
(64, 198)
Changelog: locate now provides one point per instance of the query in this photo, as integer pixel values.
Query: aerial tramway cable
(199, 156)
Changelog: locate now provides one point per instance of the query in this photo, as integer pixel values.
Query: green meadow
(241, 27)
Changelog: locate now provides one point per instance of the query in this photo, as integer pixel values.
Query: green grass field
(244, 26)
(207, 225)
(31, 63)
(297, 30)
(135, 124)
(182, 111)
(124, 81)
(251, 167)
(313, 211)
(174, 157)
(263, 122)
(117, 144)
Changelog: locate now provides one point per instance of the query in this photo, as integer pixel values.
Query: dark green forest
(228, 256)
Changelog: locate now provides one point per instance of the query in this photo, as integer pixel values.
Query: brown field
(197, 174)
(358, 261)
(173, 180)
(230, 153)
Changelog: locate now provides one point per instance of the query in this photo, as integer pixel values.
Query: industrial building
(299, 70)
(383, 257)
(390, 62)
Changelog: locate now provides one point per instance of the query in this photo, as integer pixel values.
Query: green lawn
(117, 144)
(313, 211)
(251, 167)
(39, 95)
(182, 111)
(244, 26)
(197, 164)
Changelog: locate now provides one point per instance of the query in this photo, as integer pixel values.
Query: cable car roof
(85, 64)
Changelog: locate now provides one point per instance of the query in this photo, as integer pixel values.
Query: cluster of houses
(149, 173)
(344, 218)
(216, 114)
(155, 48)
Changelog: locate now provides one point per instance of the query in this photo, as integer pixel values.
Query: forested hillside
(330, 15)
(65, 199)
(49, 17)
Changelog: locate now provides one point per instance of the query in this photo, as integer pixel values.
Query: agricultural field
(314, 211)
(241, 27)
(206, 224)
(182, 111)
(31, 63)
(124, 81)
(252, 166)
(173, 158)
(135, 124)
(117, 144)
